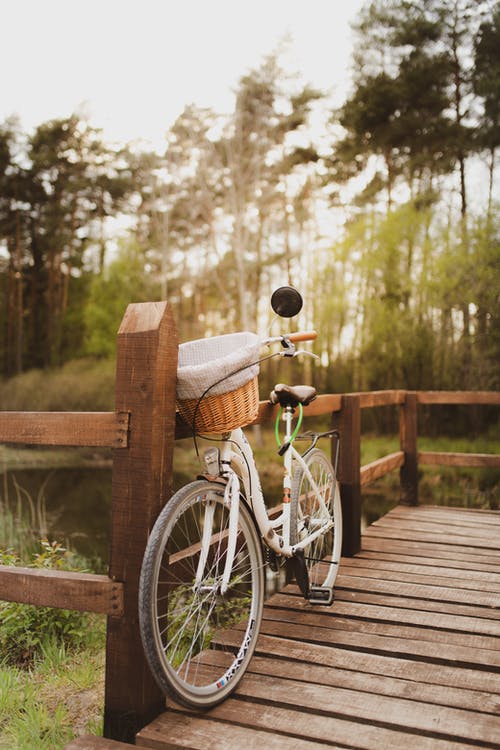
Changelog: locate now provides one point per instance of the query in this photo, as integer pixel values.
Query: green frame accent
(297, 426)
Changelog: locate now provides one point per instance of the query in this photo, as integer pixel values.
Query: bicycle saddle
(292, 395)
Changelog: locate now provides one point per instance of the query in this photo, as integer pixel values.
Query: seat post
(288, 413)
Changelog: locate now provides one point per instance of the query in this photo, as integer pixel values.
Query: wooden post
(141, 485)
(408, 473)
(348, 422)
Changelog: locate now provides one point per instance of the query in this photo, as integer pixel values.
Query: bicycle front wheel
(315, 498)
(198, 641)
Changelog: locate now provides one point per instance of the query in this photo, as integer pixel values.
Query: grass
(52, 664)
(60, 697)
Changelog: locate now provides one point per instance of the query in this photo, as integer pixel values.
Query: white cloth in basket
(204, 362)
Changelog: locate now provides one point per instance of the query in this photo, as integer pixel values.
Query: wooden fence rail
(142, 432)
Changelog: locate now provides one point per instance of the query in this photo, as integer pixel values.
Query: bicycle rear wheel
(198, 642)
(307, 514)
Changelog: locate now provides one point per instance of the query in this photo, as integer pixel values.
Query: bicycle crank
(299, 569)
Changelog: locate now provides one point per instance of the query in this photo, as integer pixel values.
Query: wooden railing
(142, 431)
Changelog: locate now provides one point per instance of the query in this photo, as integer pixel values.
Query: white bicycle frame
(239, 466)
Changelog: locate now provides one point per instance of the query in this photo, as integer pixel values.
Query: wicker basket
(217, 384)
(223, 413)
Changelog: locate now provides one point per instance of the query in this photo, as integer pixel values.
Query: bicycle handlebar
(302, 336)
(291, 337)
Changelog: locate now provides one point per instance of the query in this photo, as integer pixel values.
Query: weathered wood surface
(478, 460)
(84, 592)
(141, 485)
(370, 399)
(376, 469)
(96, 429)
(407, 656)
(459, 397)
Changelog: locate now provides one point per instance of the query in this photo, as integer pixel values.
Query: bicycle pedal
(320, 595)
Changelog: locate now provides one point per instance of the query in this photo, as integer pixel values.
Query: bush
(25, 630)
(85, 384)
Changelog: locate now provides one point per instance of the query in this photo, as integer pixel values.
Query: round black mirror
(286, 301)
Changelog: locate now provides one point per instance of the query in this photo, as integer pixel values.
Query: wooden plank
(376, 469)
(439, 537)
(419, 591)
(376, 643)
(348, 422)
(84, 592)
(92, 429)
(386, 663)
(366, 682)
(282, 727)
(483, 518)
(459, 397)
(450, 552)
(333, 621)
(371, 399)
(363, 682)
(173, 731)
(442, 722)
(408, 432)
(479, 460)
(321, 700)
(431, 606)
(435, 526)
(141, 484)
(445, 565)
(394, 612)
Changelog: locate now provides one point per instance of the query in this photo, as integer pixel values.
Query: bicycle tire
(304, 516)
(198, 643)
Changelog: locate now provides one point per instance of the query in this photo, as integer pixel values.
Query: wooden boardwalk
(407, 658)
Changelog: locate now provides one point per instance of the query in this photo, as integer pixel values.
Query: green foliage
(428, 304)
(85, 384)
(123, 282)
(26, 629)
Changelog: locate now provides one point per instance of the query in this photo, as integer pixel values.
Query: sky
(131, 66)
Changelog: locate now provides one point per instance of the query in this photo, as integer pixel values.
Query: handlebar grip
(302, 336)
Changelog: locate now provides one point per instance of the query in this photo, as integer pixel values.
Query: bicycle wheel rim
(200, 641)
(323, 554)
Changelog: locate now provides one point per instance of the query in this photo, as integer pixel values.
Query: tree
(123, 281)
(258, 156)
(412, 99)
(58, 188)
(233, 194)
(487, 86)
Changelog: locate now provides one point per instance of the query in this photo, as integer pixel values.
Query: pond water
(73, 506)
(70, 505)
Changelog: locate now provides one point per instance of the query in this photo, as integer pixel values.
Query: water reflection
(73, 506)
(70, 505)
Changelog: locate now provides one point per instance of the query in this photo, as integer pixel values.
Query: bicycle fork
(232, 501)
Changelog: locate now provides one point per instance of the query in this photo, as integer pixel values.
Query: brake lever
(295, 353)
(288, 346)
(304, 351)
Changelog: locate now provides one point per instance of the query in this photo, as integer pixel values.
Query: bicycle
(202, 582)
